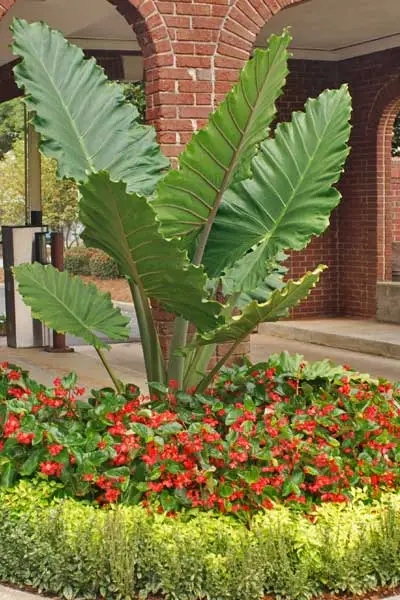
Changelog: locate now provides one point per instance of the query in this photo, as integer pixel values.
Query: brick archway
(150, 28)
(241, 24)
(379, 130)
(148, 23)
(153, 35)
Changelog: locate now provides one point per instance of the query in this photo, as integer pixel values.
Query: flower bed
(280, 432)
(73, 549)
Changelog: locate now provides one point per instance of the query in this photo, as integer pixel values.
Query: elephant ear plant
(216, 227)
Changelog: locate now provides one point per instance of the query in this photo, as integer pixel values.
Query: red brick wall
(395, 197)
(365, 214)
(193, 51)
(358, 245)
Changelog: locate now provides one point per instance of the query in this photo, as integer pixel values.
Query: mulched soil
(383, 593)
(118, 288)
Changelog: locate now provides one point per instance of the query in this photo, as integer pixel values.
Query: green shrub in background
(76, 261)
(89, 261)
(102, 266)
(75, 550)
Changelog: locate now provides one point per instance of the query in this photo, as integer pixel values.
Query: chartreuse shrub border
(73, 549)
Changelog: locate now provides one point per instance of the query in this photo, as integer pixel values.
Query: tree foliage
(135, 94)
(59, 197)
(11, 124)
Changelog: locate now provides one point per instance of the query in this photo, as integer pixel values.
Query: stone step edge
(334, 340)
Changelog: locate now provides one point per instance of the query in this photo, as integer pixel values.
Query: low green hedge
(73, 550)
(76, 261)
(102, 266)
(90, 261)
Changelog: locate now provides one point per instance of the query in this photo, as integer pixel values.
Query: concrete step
(357, 335)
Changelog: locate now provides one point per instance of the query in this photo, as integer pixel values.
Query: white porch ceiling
(322, 29)
(91, 24)
(338, 29)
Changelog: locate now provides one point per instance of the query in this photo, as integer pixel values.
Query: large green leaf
(221, 152)
(69, 305)
(235, 278)
(291, 195)
(125, 227)
(254, 313)
(82, 117)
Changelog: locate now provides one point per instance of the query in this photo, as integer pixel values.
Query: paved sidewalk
(358, 335)
(378, 366)
(127, 360)
(11, 594)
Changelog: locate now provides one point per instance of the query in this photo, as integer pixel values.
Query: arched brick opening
(152, 34)
(379, 129)
(241, 24)
(151, 31)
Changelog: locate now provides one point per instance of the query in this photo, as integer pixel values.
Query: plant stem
(208, 379)
(181, 327)
(154, 362)
(117, 383)
(176, 364)
(198, 364)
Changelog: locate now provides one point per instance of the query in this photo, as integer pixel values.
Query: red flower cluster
(51, 468)
(262, 435)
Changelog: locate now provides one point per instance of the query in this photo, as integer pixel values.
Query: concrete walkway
(12, 594)
(262, 345)
(127, 359)
(358, 335)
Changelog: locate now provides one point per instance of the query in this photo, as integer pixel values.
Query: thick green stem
(197, 365)
(182, 326)
(153, 359)
(117, 383)
(176, 363)
(203, 385)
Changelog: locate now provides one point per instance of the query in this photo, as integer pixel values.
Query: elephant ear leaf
(221, 153)
(278, 306)
(125, 227)
(68, 305)
(262, 289)
(291, 195)
(83, 119)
